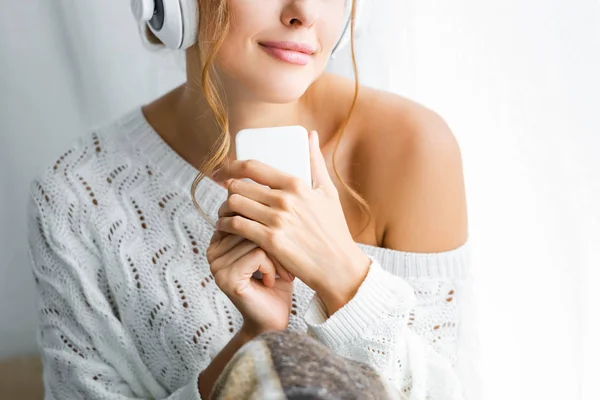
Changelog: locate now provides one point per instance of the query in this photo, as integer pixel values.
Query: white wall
(516, 80)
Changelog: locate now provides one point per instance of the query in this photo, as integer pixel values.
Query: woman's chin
(280, 91)
(271, 83)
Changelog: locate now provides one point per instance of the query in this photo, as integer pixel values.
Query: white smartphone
(285, 148)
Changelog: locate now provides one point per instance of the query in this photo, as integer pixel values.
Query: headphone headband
(345, 37)
(175, 22)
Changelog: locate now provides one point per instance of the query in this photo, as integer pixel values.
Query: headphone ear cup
(174, 22)
(359, 28)
(190, 12)
(165, 22)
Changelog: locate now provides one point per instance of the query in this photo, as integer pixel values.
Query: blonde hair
(213, 28)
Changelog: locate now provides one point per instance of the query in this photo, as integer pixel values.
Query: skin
(399, 155)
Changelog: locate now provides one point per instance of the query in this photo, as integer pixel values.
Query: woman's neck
(184, 119)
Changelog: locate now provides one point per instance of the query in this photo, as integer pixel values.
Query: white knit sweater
(128, 308)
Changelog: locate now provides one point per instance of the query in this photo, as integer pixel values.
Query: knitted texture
(128, 307)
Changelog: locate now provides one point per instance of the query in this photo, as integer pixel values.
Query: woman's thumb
(318, 166)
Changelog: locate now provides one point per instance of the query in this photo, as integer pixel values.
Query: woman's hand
(303, 227)
(264, 305)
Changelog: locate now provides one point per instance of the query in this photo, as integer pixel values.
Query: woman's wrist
(336, 295)
(248, 332)
(245, 335)
(208, 377)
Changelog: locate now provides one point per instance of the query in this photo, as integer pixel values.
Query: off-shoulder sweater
(128, 308)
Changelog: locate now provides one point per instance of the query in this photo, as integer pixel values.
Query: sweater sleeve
(374, 328)
(86, 351)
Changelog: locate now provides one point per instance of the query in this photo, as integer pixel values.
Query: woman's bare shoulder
(413, 168)
(385, 129)
(398, 148)
(380, 118)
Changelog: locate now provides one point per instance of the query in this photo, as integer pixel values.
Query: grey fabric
(291, 365)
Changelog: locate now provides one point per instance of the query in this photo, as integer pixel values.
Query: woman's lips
(290, 56)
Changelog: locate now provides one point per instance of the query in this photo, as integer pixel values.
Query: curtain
(517, 81)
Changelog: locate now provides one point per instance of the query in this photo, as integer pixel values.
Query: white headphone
(175, 22)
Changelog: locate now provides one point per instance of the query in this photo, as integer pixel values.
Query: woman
(141, 296)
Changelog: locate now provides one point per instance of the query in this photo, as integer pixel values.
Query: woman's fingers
(217, 235)
(267, 265)
(281, 271)
(243, 269)
(251, 190)
(248, 228)
(259, 172)
(225, 246)
(238, 204)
